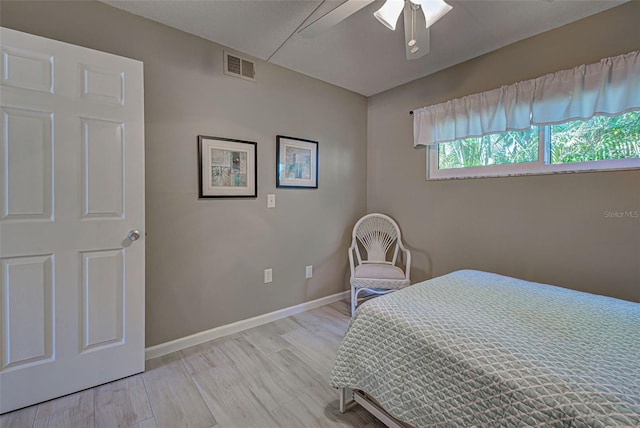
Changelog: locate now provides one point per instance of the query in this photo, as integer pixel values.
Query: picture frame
(296, 162)
(227, 168)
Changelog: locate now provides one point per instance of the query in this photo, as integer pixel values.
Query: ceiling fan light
(389, 13)
(433, 10)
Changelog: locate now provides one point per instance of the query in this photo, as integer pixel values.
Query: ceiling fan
(416, 25)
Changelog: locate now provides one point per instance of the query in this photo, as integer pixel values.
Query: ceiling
(359, 53)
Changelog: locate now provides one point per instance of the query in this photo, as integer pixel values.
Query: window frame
(541, 167)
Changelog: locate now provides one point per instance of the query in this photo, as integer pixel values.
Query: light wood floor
(275, 375)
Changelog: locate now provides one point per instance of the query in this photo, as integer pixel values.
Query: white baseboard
(225, 330)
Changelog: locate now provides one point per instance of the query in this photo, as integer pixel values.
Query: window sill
(533, 168)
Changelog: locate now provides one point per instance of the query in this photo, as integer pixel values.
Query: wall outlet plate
(268, 276)
(309, 272)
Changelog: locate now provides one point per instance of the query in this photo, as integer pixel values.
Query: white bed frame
(349, 398)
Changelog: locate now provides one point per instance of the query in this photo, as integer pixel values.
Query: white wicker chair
(375, 274)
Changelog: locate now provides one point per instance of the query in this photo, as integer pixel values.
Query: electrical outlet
(268, 276)
(271, 200)
(309, 272)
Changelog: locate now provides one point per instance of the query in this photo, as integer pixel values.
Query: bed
(478, 349)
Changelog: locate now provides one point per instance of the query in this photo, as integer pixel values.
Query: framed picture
(227, 168)
(296, 162)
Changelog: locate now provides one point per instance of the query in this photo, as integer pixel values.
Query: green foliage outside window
(601, 138)
(495, 149)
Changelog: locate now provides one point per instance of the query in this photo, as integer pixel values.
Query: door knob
(134, 235)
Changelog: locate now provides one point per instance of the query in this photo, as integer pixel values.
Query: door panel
(27, 309)
(28, 148)
(102, 85)
(27, 69)
(72, 183)
(102, 298)
(103, 168)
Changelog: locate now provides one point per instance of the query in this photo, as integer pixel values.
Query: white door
(71, 190)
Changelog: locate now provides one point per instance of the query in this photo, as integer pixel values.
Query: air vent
(235, 65)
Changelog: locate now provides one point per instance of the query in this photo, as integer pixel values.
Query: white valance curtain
(609, 87)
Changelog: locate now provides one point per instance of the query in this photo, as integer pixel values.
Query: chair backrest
(377, 233)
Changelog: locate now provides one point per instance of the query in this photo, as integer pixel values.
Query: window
(473, 136)
(601, 143)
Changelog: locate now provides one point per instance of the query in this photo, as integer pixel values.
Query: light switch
(271, 200)
(309, 272)
(268, 276)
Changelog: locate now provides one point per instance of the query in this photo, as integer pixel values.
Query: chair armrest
(353, 268)
(407, 257)
(407, 264)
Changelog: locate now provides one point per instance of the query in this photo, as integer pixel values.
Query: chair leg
(354, 300)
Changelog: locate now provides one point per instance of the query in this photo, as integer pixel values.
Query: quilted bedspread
(478, 349)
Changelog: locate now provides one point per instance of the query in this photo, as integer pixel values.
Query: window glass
(600, 138)
(496, 149)
(601, 143)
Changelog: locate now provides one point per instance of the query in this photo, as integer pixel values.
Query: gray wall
(543, 228)
(205, 258)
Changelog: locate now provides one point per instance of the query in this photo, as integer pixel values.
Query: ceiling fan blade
(420, 33)
(333, 17)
